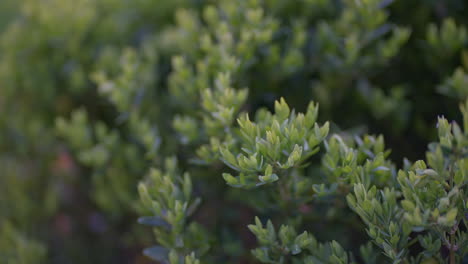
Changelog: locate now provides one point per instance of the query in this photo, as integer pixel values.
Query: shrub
(238, 131)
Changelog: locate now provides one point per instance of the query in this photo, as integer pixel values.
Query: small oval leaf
(157, 253)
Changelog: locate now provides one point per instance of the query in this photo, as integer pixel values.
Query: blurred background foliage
(94, 92)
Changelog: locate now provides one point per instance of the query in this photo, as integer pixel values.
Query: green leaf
(157, 253)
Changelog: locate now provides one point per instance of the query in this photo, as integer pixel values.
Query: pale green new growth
(168, 197)
(272, 145)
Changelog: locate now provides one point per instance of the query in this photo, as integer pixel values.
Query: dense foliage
(237, 131)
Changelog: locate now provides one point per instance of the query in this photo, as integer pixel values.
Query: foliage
(168, 196)
(19, 249)
(201, 120)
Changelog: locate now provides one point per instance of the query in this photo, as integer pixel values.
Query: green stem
(452, 248)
